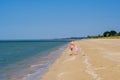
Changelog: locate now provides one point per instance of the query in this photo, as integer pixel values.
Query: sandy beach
(97, 59)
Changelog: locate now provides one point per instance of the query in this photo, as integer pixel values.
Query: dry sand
(97, 59)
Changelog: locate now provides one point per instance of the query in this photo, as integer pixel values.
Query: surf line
(60, 76)
(89, 69)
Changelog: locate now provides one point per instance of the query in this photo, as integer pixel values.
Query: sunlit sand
(97, 59)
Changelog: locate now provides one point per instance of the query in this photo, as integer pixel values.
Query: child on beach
(72, 45)
(73, 48)
(76, 50)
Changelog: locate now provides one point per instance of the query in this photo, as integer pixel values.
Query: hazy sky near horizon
(47, 19)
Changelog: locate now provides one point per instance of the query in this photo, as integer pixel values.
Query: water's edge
(54, 54)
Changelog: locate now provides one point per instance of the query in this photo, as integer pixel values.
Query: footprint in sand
(71, 59)
(99, 68)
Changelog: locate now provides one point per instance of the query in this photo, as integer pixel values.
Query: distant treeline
(111, 33)
(75, 38)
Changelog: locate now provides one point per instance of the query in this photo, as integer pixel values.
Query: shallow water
(27, 60)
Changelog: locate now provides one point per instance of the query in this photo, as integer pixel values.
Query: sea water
(27, 60)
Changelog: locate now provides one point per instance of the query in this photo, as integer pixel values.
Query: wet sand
(97, 59)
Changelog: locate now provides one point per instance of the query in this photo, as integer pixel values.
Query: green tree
(106, 34)
(113, 33)
(118, 34)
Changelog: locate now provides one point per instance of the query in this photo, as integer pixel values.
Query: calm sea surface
(27, 60)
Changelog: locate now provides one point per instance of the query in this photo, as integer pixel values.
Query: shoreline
(32, 67)
(90, 63)
(54, 53)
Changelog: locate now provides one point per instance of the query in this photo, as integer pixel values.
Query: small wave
(42, 67)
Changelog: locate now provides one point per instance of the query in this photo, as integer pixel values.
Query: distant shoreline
(42, 40)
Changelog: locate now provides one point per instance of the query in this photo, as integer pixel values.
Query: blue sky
(47, 19)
